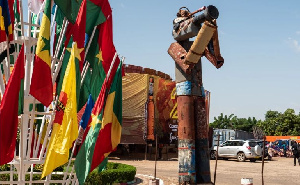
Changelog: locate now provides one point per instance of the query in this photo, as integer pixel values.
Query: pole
(146, 150)
(263, 162)
(155, 155)
(215, 174)
(65, 23)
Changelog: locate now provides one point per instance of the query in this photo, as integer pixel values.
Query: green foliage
(114, 173)
(275, 123)
(232, 122)
(281, 124)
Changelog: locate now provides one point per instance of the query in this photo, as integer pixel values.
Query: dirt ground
(279, 171)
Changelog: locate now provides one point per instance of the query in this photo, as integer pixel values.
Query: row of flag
(100, 94)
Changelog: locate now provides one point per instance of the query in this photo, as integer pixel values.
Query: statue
(192, 119)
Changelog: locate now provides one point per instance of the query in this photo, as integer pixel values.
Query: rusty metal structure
(193, 145)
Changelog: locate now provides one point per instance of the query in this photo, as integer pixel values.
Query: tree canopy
(275, 123)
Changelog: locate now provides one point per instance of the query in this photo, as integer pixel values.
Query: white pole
(58, 65)
(8, 59)
(59, 44)
(90, 41)
(2, 86)
(84, 71)
(87, 64)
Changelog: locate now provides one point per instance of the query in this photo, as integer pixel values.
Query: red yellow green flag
(65, 127)
(41, 83)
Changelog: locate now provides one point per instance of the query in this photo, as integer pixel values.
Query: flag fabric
(35, 6)
(79, 31)
(103, 134)
(41, 82)
(87, 112)
(78, 38)
(65, 127)
(16, 16)
(70, 9)
(5, 23)
(9, 111)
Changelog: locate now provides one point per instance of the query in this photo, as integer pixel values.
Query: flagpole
(8, 59)
(53, 62)
(2, 86)
(87, 64)
(111, 66)
(58, 65)
(90, 41)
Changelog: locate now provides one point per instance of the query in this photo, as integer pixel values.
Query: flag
(79, 31)
(41, 83)
(65, 127)
(78, 38)
(101, 54)
(9, 111)
(104, 132)
(87, 113)
(16, 16)
(35, 6)
(70, 9)
(5, 23)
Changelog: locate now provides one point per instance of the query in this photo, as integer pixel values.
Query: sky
(259, 41)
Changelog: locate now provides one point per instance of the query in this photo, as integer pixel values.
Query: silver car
(238, 149)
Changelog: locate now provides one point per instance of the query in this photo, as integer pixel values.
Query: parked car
(238, 149)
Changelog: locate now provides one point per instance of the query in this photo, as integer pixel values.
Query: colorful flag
(79, 31)
(78, 38)
(104, 132)
(35, 6)
(41, 83)
(9, 111)
(65, 127)
(70, 9)
(5, 24)
(87, 113)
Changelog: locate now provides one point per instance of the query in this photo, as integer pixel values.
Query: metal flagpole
(87, 64)
(8, 60)
(2, 86)
(65, 25)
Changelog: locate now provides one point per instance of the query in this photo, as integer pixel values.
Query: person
(295, 151)
(299, 154)
(284, 149)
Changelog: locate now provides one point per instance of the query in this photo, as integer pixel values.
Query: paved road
(279, 171)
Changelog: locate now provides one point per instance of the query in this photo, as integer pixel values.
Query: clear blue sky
(259, 41)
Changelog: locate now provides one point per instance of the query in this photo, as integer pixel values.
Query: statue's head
(183, 12)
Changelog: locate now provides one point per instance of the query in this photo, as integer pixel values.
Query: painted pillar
(186, 140)
(150, 112)
(193, 153)
(201, 142)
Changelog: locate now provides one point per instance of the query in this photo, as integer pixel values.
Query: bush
(114, 173)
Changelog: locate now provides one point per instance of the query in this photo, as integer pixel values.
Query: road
(279, 171)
